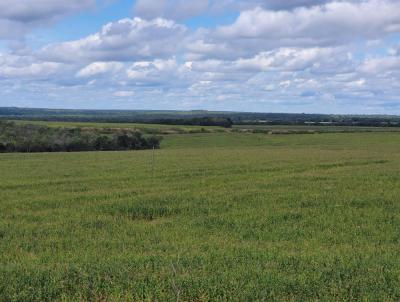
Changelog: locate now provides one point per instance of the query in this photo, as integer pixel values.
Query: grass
(224, 216)
(287, 129)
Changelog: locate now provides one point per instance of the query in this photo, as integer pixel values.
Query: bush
(31, 138)
(3, 148)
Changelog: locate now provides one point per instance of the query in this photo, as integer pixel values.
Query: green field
(315, 128)
(218, 217)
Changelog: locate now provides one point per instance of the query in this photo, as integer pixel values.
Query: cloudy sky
(313, 56)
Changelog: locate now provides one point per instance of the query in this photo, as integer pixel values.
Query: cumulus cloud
(38, 10)
(255, 31)
(19, 16)
(158, 73)
(124, 40)
(98, 68)
(394, 50)
(288, 59)
(279, 4)
(182, 9)
(383, 65)
(124, 93)
(27, 67)
(171, 9)
(335, 23)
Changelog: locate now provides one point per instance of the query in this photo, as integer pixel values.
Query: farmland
(209, 217)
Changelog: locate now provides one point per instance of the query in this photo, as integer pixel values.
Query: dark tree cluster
(196, 121)
(32, 138)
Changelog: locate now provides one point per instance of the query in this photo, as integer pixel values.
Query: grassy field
(218, 217)
(315, 128)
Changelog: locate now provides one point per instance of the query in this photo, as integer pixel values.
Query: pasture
(213, 217)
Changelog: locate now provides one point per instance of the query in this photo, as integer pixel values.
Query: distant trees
(197, 121)
(190, 118)
(32, 138)
(199, 117)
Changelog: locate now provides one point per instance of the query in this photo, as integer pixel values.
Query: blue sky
(314, 56)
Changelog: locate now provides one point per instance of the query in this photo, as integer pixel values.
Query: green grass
(314, 128)
(222, 217)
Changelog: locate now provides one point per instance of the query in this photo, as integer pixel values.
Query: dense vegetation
(197, 121)
(158, 129)
(34, 138)
(219, 217)
(202, 118)
(154, 129)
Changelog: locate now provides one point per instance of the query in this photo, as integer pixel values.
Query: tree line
(34, 138)
(199, 117)
(196, 121)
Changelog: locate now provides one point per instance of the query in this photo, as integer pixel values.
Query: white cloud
(38, 10)
(171, 9)
(98, 68)
(335, 23)
(34, 69)
(381, 65)
(124, 94)
(19, 16)
(124, 40)
(12, 66)
(158, 72)
(182, 9)
(199, 49)
(287, 59)
(356, 84)
(279, 4)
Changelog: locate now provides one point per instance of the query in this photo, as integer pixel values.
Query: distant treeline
(197, 121)
(33, 138)
(199, 118)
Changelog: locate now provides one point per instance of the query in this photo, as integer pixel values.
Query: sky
(298, 56)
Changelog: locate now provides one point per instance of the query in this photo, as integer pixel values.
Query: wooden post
(153, 163)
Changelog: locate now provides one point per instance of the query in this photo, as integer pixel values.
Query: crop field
(208, 217)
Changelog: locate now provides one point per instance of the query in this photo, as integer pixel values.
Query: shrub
(31, 138)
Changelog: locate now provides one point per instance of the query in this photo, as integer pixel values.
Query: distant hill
(195, 117)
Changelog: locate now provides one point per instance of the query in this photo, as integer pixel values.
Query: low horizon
(196, 110)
